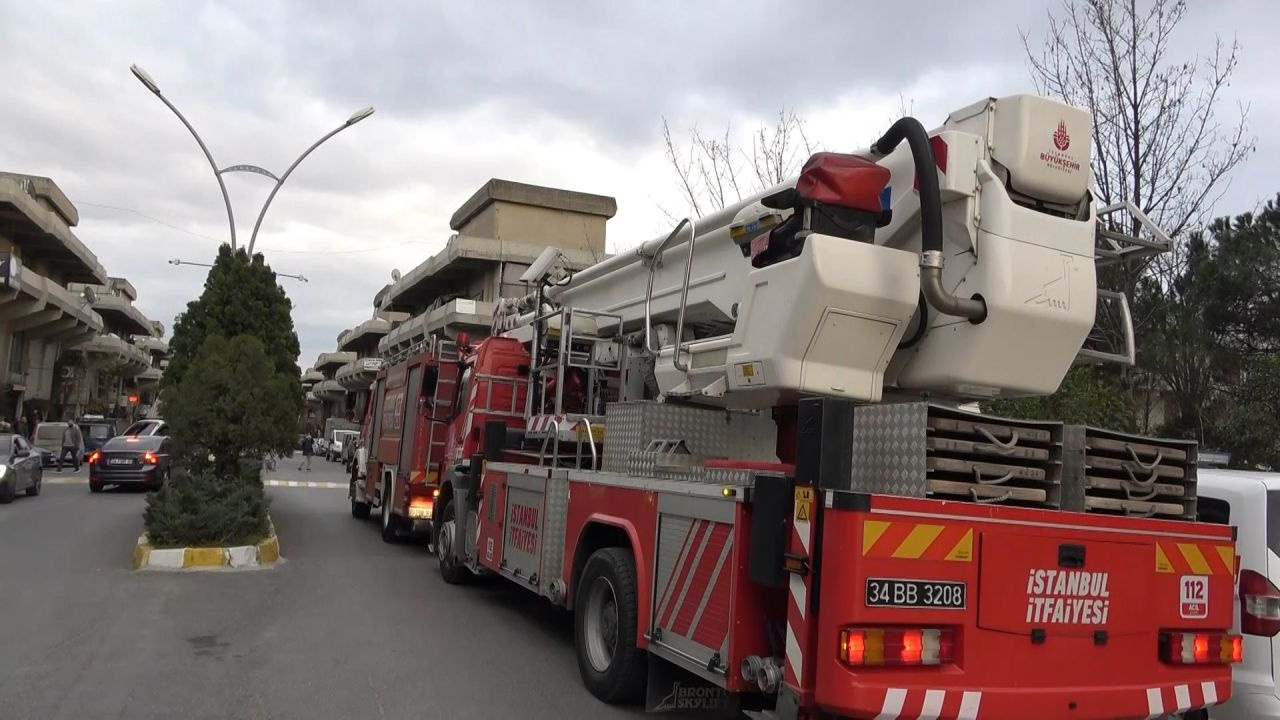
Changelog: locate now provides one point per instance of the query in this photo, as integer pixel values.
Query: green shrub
(202, 509)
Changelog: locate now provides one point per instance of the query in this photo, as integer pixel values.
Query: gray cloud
(568, 93)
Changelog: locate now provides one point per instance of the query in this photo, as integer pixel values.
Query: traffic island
(265, 554)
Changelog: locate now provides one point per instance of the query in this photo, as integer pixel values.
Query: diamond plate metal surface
(889, 449)
(707, 432)
(553, 531)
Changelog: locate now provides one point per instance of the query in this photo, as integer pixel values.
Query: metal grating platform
(1121, 474)
(927, 450)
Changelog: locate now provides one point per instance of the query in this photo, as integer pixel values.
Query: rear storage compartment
(1033, 613)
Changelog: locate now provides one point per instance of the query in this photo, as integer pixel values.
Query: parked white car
(340, 438)
(1251, 502)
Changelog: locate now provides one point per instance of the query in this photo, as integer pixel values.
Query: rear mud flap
(674, 690)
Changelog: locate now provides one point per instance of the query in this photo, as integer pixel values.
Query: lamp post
(179, 261)
(356, 117)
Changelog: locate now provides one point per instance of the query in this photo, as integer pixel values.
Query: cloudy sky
(563, 93)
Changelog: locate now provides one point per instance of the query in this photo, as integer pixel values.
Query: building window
(17, 352)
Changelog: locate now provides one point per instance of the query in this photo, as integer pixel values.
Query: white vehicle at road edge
(1251, 502)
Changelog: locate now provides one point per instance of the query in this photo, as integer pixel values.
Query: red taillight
(1259, 605)
(1201, 648)
(94, 456)
(149, 457)
(896, 646)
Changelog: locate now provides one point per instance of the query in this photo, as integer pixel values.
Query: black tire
(159, 483)
(34, 490)
(7, 493)
(390, 521)
(451, 571)
(359, 510)
(95, 487)
(606, 614)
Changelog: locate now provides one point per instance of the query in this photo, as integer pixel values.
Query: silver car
(21, 470)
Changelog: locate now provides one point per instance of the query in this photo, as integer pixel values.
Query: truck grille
(1121, 474)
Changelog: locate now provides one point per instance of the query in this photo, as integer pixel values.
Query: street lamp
(179, 261)
(150, 84)
(355, 117)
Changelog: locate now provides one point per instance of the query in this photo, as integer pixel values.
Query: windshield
(6, 446)
(96, 432)
(1273, 520)
(141, 427)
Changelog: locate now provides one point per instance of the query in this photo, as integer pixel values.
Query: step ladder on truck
(741, 463)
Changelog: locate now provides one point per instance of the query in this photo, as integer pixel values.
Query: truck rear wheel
(606, 614)
(359, 510)
(453, 572)
(390, 523)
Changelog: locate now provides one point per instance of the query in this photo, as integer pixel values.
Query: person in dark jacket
(308, 449)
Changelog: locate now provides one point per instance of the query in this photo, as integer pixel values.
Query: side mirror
(21, 452)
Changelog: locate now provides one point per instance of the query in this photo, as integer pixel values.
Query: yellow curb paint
(141, 553)
(203, 557)
(268, 551)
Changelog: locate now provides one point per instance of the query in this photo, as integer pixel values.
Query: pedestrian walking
(72, 441)
(308, 448)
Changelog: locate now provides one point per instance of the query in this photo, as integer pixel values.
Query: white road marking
(306, 484)
(269, 483)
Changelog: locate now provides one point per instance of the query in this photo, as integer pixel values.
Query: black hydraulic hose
(913, 132)
(931, 257)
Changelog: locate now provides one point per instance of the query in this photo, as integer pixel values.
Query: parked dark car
(20, 469)
(97, 431)
(133, 460)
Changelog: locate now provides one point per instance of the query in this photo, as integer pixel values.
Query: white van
(1251, 502)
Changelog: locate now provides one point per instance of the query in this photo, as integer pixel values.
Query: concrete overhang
(44, 234)
(112, 350)
(328, 390)
(498, 190)
(311, 375)
(363, 336)
(328, 362)
(151, 344)
(37, 305)
(119, 314)
(149, 376)
(359, 374)
(462, 256)
(470, 316)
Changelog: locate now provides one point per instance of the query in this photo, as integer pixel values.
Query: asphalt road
(346, 627)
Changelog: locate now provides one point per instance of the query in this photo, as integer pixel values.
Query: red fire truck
(403, 440)
(748, 474)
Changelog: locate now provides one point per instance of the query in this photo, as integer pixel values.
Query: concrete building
(331, 394)
(356, 376)
(499, 232)
(101, 374)
(40, 316)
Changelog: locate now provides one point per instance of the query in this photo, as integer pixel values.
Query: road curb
(239, 557)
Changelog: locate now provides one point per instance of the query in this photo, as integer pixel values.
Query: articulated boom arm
(958, 263)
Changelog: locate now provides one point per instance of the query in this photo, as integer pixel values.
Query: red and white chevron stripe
(798, 635)
(1162, 701)
(930, 704)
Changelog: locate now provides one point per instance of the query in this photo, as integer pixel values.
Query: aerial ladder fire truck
(740, 453)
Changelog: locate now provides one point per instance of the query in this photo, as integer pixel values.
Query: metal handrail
(654, 261)
(591, 438)
(1130, 355)
(542, 452)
